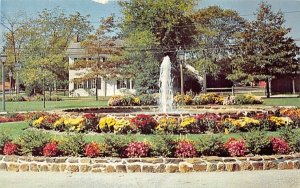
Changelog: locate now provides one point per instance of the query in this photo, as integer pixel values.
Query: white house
(87, 88)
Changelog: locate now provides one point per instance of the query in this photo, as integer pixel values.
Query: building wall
(284, 85)
(107, 87)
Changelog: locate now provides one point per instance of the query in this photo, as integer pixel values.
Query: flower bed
(12, 118)
(188, 99)
(175, 124)
(38, 143)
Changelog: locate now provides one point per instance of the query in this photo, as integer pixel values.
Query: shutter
(75, 86)
(99, 83)
(85, 85)
(118, 84)
(89, 84)
(127, 83)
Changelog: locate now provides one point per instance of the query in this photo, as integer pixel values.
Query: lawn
(282, 102)
(52, 105)
(15, 129)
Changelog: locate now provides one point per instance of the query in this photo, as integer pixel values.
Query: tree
(263, 49)
(104, 48)
(165, 26)
(47, 39)
(216, 30)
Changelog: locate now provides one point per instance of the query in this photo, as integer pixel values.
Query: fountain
(166, 86)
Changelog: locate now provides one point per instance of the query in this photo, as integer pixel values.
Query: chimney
(76, 38)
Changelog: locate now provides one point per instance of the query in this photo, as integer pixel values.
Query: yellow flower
(107, 122)
(280, 121)
(58, 122)
(136, 100)
(75, 124)
(187, 121)
(38, 122)
(121, 124)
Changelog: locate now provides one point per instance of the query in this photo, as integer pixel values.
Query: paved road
(245, 179)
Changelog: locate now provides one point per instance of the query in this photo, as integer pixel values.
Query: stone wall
(150, 165)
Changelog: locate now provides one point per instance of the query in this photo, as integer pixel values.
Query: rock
(160, 168)
(152, 160)
(85, 160)
(99, 161)
(60, 160)
(3, 166)
(282, 166)
(25, 158)
(268, 165)
(73, 168)
(134, 160)
(148, 168)
(110, 169)
(211, 167)
(121, 168)
(63, 167)
(44, 168)
(220, 166)
(212, 159)
(172, 168)
(256, 158)
(96, 170)
(185, 168)
(245, 165)
(296, 164)
(33, 167)
(39, 159)
(55, 168)
(10, 158)
(200, 167)
(24, 168)
(173, 161)
(232, 167)
(258, 165)
(72, 160)
(134, 168)
(13, 167)
(194, 161)
(49, 160)
(84, 168)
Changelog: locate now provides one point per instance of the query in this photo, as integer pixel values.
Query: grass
(53, 105)
(282, 102)
(17, 128)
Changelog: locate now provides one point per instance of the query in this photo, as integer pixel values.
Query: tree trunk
(96, 93)
(267, 88)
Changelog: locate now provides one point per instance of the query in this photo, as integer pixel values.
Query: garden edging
(149, 165)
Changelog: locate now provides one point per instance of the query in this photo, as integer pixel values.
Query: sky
(103, 8)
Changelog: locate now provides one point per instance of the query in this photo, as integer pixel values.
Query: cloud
(101, 1)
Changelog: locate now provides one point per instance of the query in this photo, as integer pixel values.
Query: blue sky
(103, 8)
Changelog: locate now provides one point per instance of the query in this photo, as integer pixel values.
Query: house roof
(75, 49)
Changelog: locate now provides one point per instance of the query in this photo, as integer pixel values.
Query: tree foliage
(264, 50)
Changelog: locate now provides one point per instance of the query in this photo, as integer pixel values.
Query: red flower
(50, 149)
(137, 149)
(92, 150)
(89, 116)
(10, 148)
(144, 123)
(280, 146)
(235, 147)
(185, 149)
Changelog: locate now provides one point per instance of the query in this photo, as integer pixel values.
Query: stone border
(150, 165)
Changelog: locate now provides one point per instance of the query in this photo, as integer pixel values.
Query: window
(92, 83)
(80, 85)
(125, 83)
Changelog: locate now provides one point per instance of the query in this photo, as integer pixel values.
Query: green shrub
(115, 146)
(291, 137)
(258, 142)
(71, 145)
(32, 142)
(247, 99)
(208, 98)
(210, 145)
(148, 99)
(47, 98)
(14, 98)
(164, 145)
(4, 138)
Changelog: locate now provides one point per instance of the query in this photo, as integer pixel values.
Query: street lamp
(10, 74)
(181, 59)
(18, 67)
(3, 60)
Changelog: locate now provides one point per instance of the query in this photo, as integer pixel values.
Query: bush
(14, 98)
(185, 149)
(208, 122)
(187, 99)
(32, 142)
(4, 138)
(235, 147)
(71, 145)
(91, 122)
(148, 99)
(280, 146)
(257, 142)
(209, 98)
(164, 145)
(167, 125)
(247, 99)
(143, 123)
(115, 146)
(47, 98)
(92, 150)
(212, 145)
(137, 149)
(10, 148)
(122, 126)
(106, 124)
(51, 149)
(291, 137)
